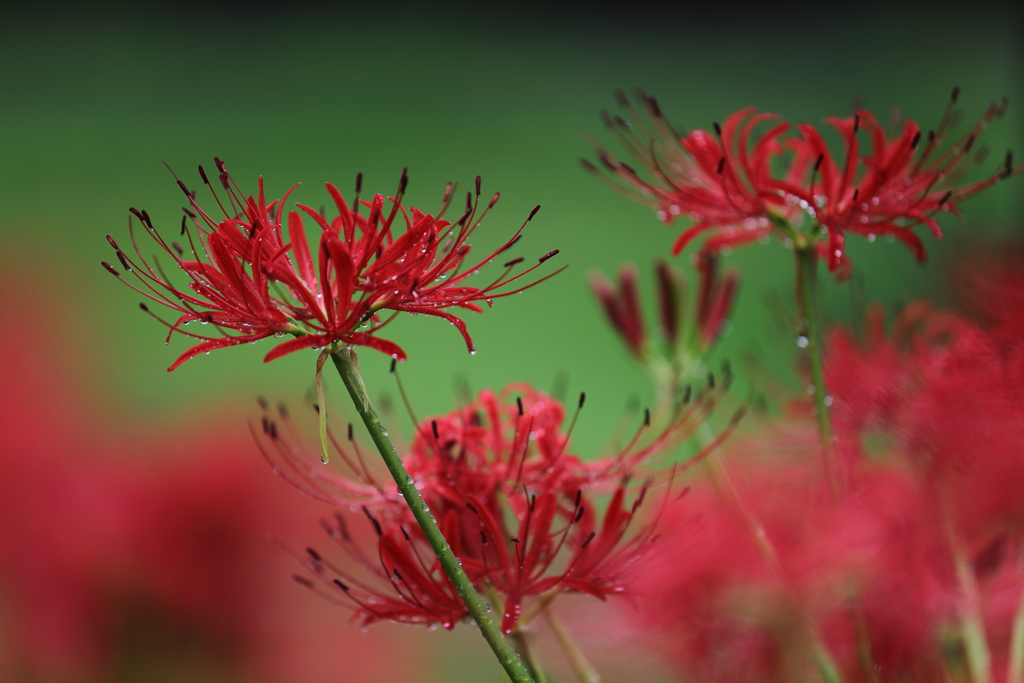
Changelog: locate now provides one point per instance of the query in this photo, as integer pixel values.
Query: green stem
(826, 665)
(809, 331)
(345, 361)
(521, 639)
(577, 660)
(979, 660)
(1016, 667)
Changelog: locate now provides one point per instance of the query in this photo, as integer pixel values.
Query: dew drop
(802, 341)
(828, 400)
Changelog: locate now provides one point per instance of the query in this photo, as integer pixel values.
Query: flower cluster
(258, 281)
(515, 504)
(913, 571)
(728, 182)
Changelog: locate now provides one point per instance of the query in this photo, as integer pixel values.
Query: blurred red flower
(128, 550)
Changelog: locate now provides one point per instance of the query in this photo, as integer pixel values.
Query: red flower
(495, 445)
(256, 283)
(725, 184)
(511, 499)
(519, 546)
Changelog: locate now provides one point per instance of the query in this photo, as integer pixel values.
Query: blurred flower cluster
(914, 571)
(131, 552)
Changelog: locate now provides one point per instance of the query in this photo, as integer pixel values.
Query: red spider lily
(724, 182)
(899, 187)
(257, 283)
(530, 544)
(495, 445)
(714, 301)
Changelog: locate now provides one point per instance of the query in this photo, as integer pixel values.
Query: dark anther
(533, 213)
(1008, 171)
(203, 173)
(548, 255)
(969, 144)
(583, 397)
(519, 404)
(945, 197)
(579, 497)
(111, 269)
(473, 508)
(718, 129)
(177, 248)
(514, 261)
(478, 186)
(397, 575)
(687, 393)
(917, 139)
(738, 415)
(187, 212)
(533, 502)
(266, 425)
(303, 580)
(394, 361)
(647, 417)
(955, 94)
(931, 136)
(184, 224)
(184, 189)
(273, 430)
(373, 520)
(220, 165)
(314, 554)
(316, 408)
(587, 166)
(138, 214)
(433, 428)
(721, 165)
(112, 243)
(817, 164)
(711, 380)
(494, 200)
(144, 307)
(359, 182)
(856, 123)
(579, 514)
(349, 431)
(589, 539)
(514, 539)
(404, 532)
(403, 181)
(727, 375)
(655, 108)
(123, 260)
(856, 193)
(483, 537)
(340, 585)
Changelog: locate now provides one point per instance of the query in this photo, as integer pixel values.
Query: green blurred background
(91, 101)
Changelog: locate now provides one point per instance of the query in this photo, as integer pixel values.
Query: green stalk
(1016, 667)
(809, 330)
(345, 362)
(581, 666)
(972, 625)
